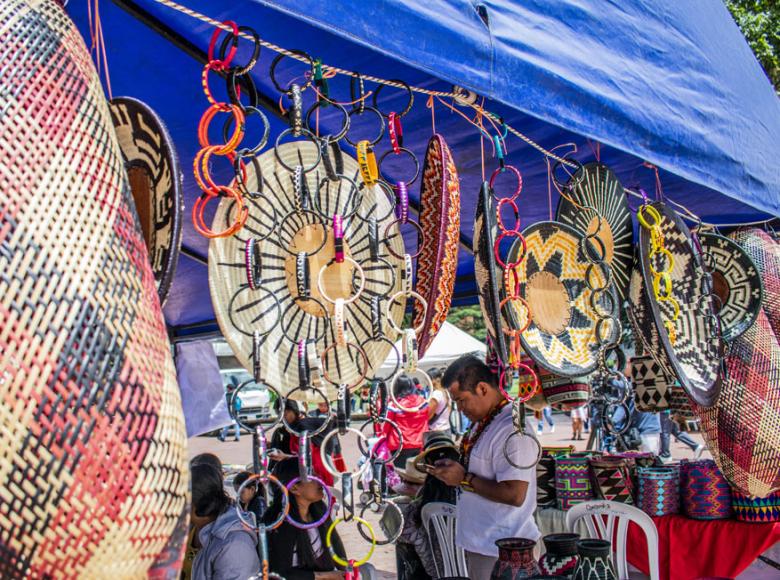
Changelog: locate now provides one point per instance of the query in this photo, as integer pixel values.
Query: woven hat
(438, 447)
(741, 430)
(596, 186)
(410, 472)
(94, 451)
(437, 263)
(486, 270)
(155, 182)
(693, 353)
(279, 232)
(561, 337)
(737, 284)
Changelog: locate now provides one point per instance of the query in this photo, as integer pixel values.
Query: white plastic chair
(615, 529)
(439, 518)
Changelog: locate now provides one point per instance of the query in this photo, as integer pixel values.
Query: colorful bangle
(338, 559)
(367, 162)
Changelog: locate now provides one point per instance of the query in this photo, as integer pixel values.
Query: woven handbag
(756, 509)
(651, 384)
(612, 479)
(659, 490)
(572, 481)
(705, 494)
(545, 474)
(94, 472)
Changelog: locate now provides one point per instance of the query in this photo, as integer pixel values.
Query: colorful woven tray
(94, 471)
(693, 353)
(155, 182)
(437, 263)
(704, 492)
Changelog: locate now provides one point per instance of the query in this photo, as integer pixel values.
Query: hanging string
(98, 44)
(430, 104)
(659, 192)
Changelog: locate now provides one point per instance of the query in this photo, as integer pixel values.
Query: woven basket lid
(737, 284)
(437, 263)
(561, 337)
(241, 310)
(694, 354)
(155, 181)
(596, 186)
(486, 270)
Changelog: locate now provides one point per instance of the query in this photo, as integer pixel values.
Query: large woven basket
(704, 492)
(94, 471)
(756, 509)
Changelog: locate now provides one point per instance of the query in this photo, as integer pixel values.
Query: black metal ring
(294, 302)
(408, 152)
(345, 125)
(248, 83)
(408, 90)
(381, 125)
(255, 49)
(251, 333)
(254, 151)
(306, 133)
(570, 184)
(277, 60)
(394, 348)
(353, 196)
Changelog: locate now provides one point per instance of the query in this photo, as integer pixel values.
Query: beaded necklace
(475, 432)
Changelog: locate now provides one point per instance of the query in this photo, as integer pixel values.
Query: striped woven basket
(659, 490)
(94, 471)
(756, 509)
(572, 481)
(705, 494)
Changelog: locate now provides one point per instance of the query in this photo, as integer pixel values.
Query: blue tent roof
(648, 80)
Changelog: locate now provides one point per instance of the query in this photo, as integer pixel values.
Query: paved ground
(232, 452)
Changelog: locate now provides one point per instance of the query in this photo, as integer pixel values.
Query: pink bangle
(338, 238)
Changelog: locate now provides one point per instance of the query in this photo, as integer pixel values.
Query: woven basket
(761, 510)
(612, 479)
(94, 471)
(572, 481)
(659, 490)
(705, 494)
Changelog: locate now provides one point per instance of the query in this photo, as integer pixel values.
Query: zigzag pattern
(704, 491)
(572, 482)
(557, 565)
(757, 509)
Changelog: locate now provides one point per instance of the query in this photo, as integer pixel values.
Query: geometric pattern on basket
(564, 392)
(545, 481)
(705, 494)
(572, 482)
(94, 471)
(659, 490)
(440, 220)
(651, 384)
(742, 430)
(756, 509)
(742, 294)
(645, 332)
(693, 355)
(612, 479)
(561, 566)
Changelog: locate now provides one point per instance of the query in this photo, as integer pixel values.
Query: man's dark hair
(468, 371)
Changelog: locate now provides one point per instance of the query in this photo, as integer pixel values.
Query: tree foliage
(469, 319)
(759, 21)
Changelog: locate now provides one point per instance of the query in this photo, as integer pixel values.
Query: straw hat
(155, 181)
(410, 473)
(280, 233)
(561, 337)
(438, 261)
(693, 354)
(595, 186)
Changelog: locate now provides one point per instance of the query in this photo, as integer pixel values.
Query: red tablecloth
(691, 549)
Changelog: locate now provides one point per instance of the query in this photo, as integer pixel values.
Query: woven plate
(561, 337)
(598, 187)
(486, 270)
(241, 310)
(737, 284)
(643, 326)
(440, 220)
(155, 181)
(694, 354)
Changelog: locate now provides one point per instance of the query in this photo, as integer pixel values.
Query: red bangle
(213, 43)
(395, 131)
(497, 245)
(514, 170)
(198, 222)
(219, 66)
(235, 138)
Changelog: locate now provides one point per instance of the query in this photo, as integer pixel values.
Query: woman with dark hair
(227, 548)
(413, 424)
(295, 553)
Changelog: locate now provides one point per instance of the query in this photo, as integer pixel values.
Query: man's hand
(449, 471)
(276, 455)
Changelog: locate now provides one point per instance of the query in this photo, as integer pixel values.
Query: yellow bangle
(653, 213)
(367, 161)
(329, 543)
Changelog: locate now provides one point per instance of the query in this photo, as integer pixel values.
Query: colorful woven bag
(612, 479)
(659, 490)
(572, 481)
(705, 494)
(94, 472)
(761, 510)
(545, 474)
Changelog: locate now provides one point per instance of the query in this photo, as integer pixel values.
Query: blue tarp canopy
(631, 80)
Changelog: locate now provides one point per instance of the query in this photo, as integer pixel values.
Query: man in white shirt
(497, 500)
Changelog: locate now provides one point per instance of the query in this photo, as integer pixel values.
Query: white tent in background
(449, 344)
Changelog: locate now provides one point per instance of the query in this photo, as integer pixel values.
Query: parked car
(255, 398)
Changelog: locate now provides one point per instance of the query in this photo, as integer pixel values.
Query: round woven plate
(486, 269)
(737, 284)
(694, 354)
(595, 185)
(240, 310)
(561, 337)
(155, 181)
(440, 219)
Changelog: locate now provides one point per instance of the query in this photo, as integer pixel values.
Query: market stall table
(688, 549)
